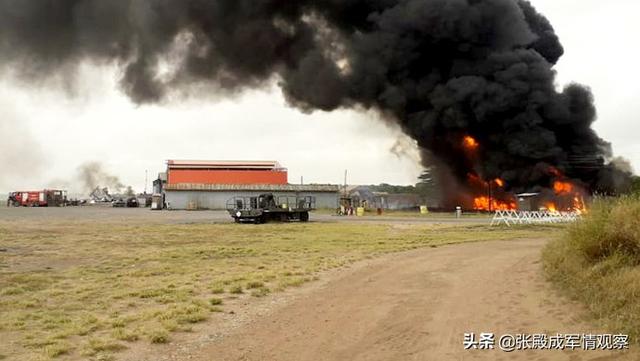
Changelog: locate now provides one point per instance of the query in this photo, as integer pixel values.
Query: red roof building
(208, 184)
(225, 172)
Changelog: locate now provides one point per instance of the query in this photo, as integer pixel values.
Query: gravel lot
(107, 214)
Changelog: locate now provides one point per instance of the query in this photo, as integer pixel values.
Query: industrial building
(197, 184)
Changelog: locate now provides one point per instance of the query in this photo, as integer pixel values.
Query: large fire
(562, 195)
(492, 204)
(577, 204)
(569, 197)
(562, 187)
(494, 197)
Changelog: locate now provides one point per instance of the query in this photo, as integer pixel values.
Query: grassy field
(598, 263)
(90, 289)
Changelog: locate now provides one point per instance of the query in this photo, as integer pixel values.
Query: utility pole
(490, 196)
(345, 183)
(146, 180)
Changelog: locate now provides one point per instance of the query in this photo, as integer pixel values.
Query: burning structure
(101, 195)
(471, 81)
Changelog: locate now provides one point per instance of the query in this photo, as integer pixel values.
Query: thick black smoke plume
(441, 69)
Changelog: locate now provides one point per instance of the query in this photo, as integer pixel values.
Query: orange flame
(562, 187)
(570, 196)
(484, 204)
(578, 204)
(499, 182)
(470, 143)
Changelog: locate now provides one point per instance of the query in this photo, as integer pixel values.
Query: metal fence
(533, 217)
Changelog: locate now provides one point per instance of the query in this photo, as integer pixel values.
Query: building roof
(224, 164)
(527, 195)
(252, 187)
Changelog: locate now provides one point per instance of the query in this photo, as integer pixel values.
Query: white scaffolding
(533, 217)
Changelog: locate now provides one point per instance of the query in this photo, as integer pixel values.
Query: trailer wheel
(304, 217)
(258, 220)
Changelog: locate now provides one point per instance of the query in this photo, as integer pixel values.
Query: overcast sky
(46, 134)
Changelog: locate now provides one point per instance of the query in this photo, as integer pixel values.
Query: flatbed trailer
(266, 208)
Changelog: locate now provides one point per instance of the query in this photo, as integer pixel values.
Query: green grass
(598, 263)
(92, 289)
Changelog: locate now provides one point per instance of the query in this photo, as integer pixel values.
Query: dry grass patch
(598, 263)
(105, 285)
(158, 336)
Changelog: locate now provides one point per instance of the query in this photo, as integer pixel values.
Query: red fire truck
(44, 198)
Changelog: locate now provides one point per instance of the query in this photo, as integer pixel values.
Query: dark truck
(266, 207)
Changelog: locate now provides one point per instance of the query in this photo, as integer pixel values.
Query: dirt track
(412, 306)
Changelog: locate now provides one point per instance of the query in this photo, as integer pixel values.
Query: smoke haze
(20, 154)
(93, 174)
(440, 69)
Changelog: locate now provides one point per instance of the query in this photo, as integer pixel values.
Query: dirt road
(413, 306)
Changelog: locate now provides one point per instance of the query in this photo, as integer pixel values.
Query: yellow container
(360, 212)
(424, 210)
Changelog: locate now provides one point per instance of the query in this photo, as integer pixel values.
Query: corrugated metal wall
(218, 200)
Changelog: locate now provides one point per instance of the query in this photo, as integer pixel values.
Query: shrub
(158, 336)
(215, 301)
(254, 284)
(260, 292)
(598, 263)
(610, 227)
(57, 349)
(217, 290)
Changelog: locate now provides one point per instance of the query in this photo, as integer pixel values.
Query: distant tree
(635, 185)
(428, 187)
(393, 189)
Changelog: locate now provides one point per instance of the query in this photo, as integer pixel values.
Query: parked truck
(267, 207)
(43, 198)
